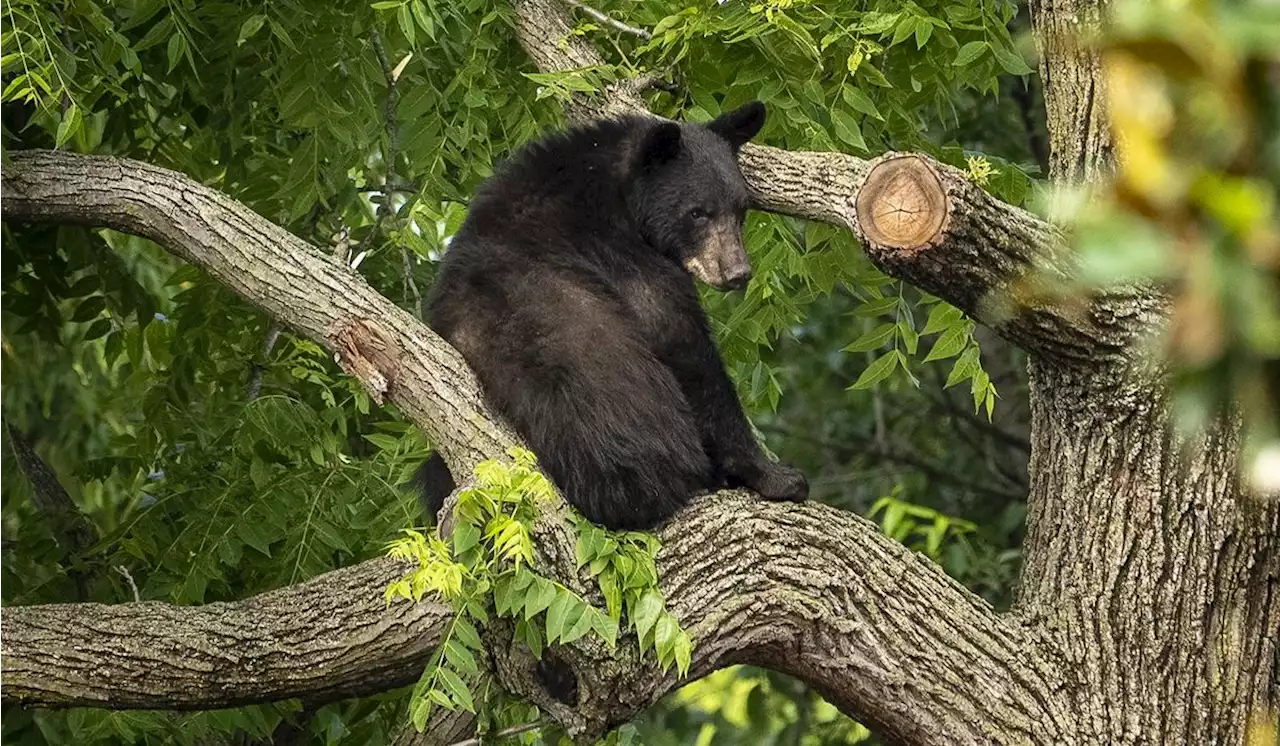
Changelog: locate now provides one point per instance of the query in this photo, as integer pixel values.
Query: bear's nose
(738, 277)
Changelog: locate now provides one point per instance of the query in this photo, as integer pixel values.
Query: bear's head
(688, 196)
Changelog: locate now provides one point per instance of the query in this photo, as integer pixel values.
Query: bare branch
(610, 21)
(123, 572)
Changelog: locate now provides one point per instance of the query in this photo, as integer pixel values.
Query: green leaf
(98, 329)
(665, 637)
(585, 549)
(89, 308)
(460, 658)
(970, 52)
(879, 369)
(467, 634)
(847, 128)
(612, 594)
(646, 612)
(874, 339)
(424, 18)
(605, 627)
(950, 343)
(909, 336)
(799, 33)
(175, 49)
(942, 316)
(923, 32)
(905, 28)
(442, 699)
(458, 690)
(860, 101)
(421, 712)
(531, 635)
(1011, 61)
(877, 307)
(557, 614)
(979, 387)
(539, 599)
(964, 368)
(251, 26)
(684, 653)
(877, 22)
(502, 597)
(465, 536)
(404, 17)
(69, 126)
(855, 60)
(579, 622)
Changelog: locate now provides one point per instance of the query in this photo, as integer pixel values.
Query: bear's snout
(722, 261)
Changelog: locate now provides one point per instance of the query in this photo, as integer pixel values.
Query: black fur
(568, 291)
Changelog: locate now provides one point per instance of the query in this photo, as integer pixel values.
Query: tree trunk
(1161, 585)
(1159, 580)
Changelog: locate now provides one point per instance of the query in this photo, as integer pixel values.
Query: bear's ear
(660, 145)
(739, 125)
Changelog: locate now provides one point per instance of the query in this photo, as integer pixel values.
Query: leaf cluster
(486, 568)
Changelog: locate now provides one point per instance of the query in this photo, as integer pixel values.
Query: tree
(1147, 610)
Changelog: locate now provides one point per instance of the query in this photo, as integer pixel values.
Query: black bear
(569, 290)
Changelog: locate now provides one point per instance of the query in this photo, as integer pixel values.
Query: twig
(255, 374)
(505, 733)
(74, 531)
(124, 572)
(608, 21)
(409, 284)
(70, 48)
(389, 122)
(940, 397)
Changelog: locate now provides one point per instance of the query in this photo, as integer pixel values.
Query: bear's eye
(698, 214)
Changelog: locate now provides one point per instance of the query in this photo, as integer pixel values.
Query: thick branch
(821, 594)
(391, 352)
(328, 638)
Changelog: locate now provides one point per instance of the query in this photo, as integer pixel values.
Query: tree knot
(364, 349)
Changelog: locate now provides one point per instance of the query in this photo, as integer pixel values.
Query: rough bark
(1143, 558)
(330, 637)
(1080, 146)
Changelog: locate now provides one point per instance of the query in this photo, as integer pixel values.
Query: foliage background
(213, 461)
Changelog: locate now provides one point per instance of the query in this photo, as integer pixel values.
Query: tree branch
(609, 20)
(390, 351)
(328, 638)
(921, 221)
(71, 527)
(821, 594)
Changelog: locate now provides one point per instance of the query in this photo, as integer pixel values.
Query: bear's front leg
(726, 433)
